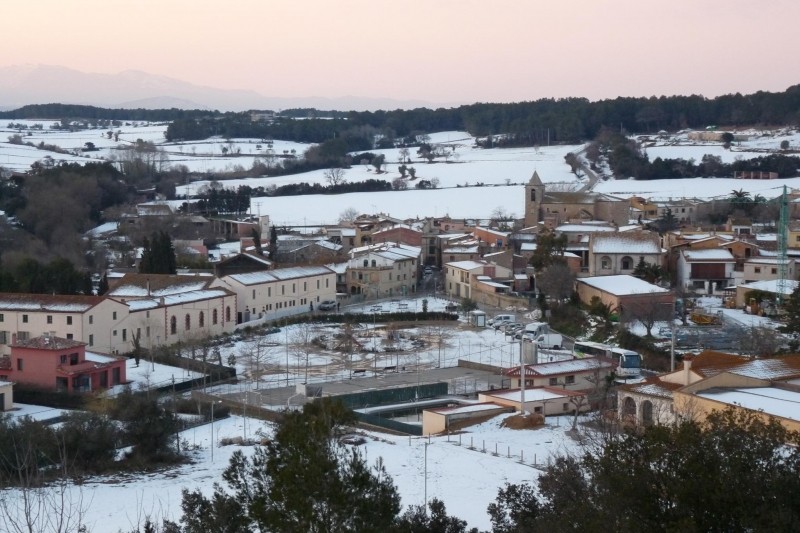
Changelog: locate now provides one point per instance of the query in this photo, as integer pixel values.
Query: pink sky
(448, 51)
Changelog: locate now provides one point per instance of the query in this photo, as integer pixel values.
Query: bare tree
(399, 184)
(335, 176)
(34, 506)
(556, 281)
(405, 155)
(348, 215)
(760, 341)
(303, 346)
(256, 354)
(647, 310)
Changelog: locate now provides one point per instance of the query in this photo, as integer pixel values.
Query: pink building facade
(60, 364)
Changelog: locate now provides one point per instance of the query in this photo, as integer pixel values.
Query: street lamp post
(425, 503)
(212, 428)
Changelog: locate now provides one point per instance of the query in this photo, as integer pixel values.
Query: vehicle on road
(327, 305)
(501, 320)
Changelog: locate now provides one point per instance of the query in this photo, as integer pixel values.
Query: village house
(716, 381)
(56, 363)
(382, 270)
(26, 316)
(400, 233)
(771, 287)
(706, 271)
(462, 279)
(277, 293)
(344, 236)
(766, 269)
(307, 250)
(619, 253)
(586, 375)
(578, 236)
(241, 264)
(739, 248)
(623, 292)
(546, 401)
(6, 395)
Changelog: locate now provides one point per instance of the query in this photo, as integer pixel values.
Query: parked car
(327, 305)
(501, 320)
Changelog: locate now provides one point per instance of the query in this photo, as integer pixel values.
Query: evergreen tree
(102, 288)
(735, 471)
(158, 256)
(273, 242)
(303, 480)
(792, 319)
(549, 248)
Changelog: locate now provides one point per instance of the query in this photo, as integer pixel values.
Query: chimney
(687, 368)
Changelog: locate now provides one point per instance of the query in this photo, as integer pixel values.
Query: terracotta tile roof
(48, 342)
(652, 387)
(710, 363)
(144, 285)
(48, 302)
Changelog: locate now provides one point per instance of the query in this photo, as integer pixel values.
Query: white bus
(583, 349)
(629, 363)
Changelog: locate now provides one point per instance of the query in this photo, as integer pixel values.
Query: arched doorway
(628, 413)
(647, 413)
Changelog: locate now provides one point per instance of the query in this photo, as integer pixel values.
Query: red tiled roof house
(60, 364)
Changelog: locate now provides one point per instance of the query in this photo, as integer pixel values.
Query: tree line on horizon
(562, 120)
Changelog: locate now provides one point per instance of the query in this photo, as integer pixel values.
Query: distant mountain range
(44, 84)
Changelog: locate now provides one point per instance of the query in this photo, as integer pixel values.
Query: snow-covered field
(467, 480)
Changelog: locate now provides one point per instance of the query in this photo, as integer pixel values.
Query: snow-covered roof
(280, 274)
(571, 366)
(708, 255)
(339, 268)
(102, 229)
(461, 250)
(626, 243)
(584, 228)
(472, 408)
(527, 246)
(494, 284)
(466, 265)
(536, 394)
(176, 299)
(768, 261)
(769, 400)
(622, 285)
(771, 286)
(47, 303)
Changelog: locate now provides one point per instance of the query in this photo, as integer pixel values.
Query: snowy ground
(467, 480)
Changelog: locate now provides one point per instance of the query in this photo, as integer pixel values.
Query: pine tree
(305, 479)
(158, 256)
